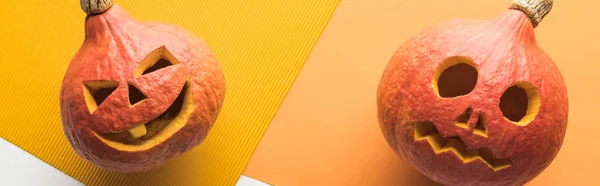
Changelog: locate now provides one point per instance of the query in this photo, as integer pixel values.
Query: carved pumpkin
(471, 102)
(138, 94)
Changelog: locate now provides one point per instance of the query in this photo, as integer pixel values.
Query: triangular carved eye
(156, 60)
(161, 63)
(135, 95)
(95, 92)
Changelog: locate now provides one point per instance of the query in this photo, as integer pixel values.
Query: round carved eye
(456, 76)
(520, 103)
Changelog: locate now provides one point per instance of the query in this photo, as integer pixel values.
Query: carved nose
(472, 121)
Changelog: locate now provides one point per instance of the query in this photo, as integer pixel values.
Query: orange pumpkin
(137, 94)
(474, 102)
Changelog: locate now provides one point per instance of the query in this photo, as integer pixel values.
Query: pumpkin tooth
(138, 131)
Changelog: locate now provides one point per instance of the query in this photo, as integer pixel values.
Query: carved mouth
(428, 132)
(140, 133)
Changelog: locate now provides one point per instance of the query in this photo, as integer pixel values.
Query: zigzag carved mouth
(427, 131)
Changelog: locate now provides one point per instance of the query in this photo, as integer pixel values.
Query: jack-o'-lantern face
(467, 121)
(138, 94)
(474, 122)
(162, 106)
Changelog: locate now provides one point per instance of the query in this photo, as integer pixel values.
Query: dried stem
(91, 7)
(536, 10)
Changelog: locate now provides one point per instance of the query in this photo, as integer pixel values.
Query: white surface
(20, 168)
(247, 181)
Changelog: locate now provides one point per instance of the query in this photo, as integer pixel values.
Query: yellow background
(261, 44)
(326, 132)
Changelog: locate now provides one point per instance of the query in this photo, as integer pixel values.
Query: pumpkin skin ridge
(197, 65)
(396, 105)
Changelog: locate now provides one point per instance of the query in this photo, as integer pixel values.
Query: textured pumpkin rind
(114, 47)
(506, 52)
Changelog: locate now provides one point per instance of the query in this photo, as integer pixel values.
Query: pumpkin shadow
(181, 170)
(410, 176)
(405, 174)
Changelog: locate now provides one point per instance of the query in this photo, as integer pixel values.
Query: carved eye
(156, 60)
(456, 76)
(95, 92)
(520, 103)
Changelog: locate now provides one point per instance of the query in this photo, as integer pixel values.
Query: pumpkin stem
(536, 10)
(91, 7)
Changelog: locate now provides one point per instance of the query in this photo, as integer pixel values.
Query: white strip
(17, 167)
(247, 181)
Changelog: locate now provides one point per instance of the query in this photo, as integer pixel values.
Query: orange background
(326, 132)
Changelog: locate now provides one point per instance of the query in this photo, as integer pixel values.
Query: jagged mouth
(426, 131)
(142, 132)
